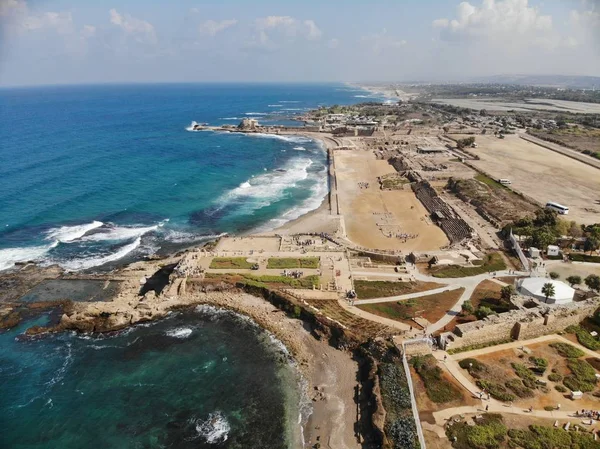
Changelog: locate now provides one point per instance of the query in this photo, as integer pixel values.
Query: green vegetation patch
(518, 388)
(438, 389)
(291, 262)
(230, 263)
(583, 377)
(488, 433)
(492, 262)
(584, 258)
(305, 282)
(384, 289)
(526, 375)
(496, 390)
(568, 351)
(489, 181)
(584, 337)
(478, 346)
(541, 437)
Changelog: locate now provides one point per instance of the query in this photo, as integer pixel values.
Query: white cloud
(10, 7)
(88, 31)
(62, 22)
(140, 30)
(211, 27)
(383, 41)
(494, 19)
(287, 26)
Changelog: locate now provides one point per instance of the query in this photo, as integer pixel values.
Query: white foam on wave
(191, 127)
(256, 113)
(269, 187)
(215, 429)
(90, 262)
(299, 148)
(10, 256)
(189, 237)
(289, 101)
(118, 233)
(67, 234)
(275, 105)
(292, 139)
(231, 118)
(179, 332)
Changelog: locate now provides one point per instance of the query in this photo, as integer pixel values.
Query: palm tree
(548, 290)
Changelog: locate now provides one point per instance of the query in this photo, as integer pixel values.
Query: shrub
(438, 389)
(517, 387)
(230, 263)
(473, 366)
(540, 437)
(528, 378)
(554, 275)
(292, 262)
(582, 370)
(584, 337)
(567, 350)
(560, 388)
(403, 433)
(554, 377)
(496, 391)
(488, 436)
(540, 364)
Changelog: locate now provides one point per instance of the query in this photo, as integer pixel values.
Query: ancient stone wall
(521, 324)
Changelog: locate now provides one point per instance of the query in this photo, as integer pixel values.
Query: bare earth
(364, 208)
(543, 175)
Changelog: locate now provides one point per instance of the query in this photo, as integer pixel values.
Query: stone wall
(520, 324)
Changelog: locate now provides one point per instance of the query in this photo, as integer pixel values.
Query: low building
(553, 250)
(563, 294)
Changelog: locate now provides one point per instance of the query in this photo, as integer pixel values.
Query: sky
(108, 41)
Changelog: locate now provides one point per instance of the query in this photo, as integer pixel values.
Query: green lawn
(489, 181)
(291, 262)
(231, 263)
(491, 262)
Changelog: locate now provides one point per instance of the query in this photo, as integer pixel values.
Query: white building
(553, 250)
(563, 294)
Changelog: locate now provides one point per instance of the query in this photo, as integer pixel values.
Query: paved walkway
(408, 296)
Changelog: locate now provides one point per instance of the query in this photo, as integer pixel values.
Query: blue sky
(67, 41)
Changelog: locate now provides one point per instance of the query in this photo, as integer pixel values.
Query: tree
(593, 282)
(507, 292)
(591, 244)
(575, 230)
(548, 291)
(554, 275)
(483, 312)
(542, 237)
(467, 308)
(574, 280)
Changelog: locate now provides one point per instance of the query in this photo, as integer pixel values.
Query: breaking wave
(67, 234)
(86, 263)
(293, 139)
(179, 332)
(215, 429)
(118, 233)
(256, 113)
(10, 256)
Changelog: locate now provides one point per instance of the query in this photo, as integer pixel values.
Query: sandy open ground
(543, 175)
(364, 208)
(530, 104)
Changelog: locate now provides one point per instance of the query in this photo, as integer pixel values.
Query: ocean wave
(231, 118)
(292, 139)
(215, 429)
(10, 256)
(289, 101)
(299, 148)
(266, 188)
(188, 237)
(67, 234)
(256, 113)
(119, 233)
(179, 332)
(191, 127)
(90, 262)
(275, 105)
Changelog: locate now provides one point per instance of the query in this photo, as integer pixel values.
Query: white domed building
(563, 294)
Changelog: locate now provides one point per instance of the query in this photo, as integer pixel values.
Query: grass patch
(385, 289)
(489, 181)
(230, 263)
(496, 390)
(568, 351)
(518, 388)
(529, 379)
(583, 377)
(478, 346)
(584, 258)
(291, 262)
(488, 433)
(265, 281)
(438, 389)
(584, 337)
(541, 437)
(491, 262)
(432, 307)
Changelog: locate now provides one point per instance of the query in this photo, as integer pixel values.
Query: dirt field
(543, 175)
(536, 104)
(370, 212)
(574, 269)
(500, 371)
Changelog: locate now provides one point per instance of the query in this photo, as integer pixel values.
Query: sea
(94, 177)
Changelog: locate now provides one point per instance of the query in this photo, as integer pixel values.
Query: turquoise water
(97, 175)
(198, 379)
